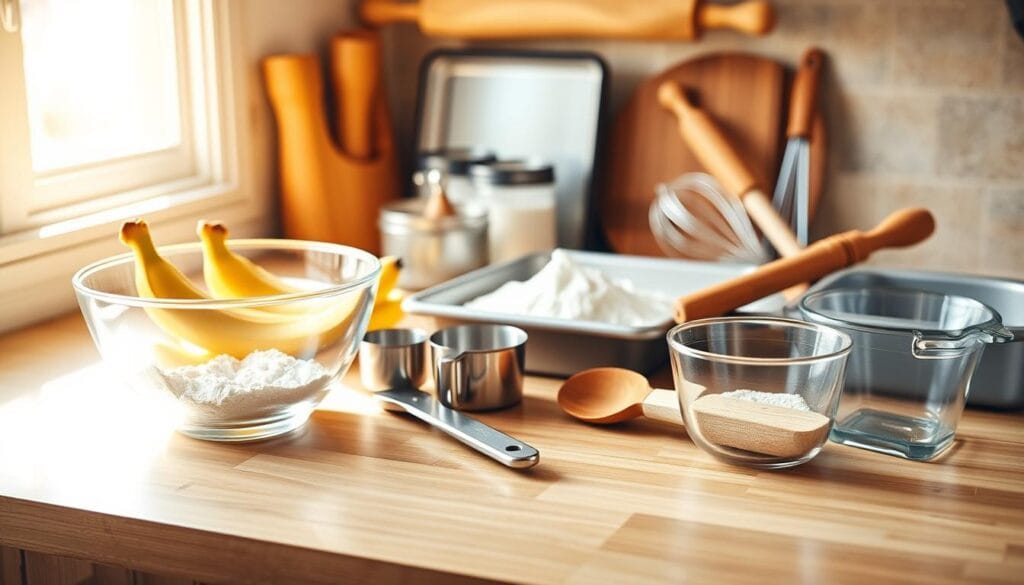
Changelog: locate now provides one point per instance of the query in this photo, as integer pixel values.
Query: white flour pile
(565, 290)
(794, 401)
(226, 388)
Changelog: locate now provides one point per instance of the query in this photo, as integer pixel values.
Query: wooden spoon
(611, 395)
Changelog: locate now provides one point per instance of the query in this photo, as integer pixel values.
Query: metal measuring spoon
(392, 365)
(468, 430)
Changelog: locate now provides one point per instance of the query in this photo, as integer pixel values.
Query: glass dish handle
(938, 348)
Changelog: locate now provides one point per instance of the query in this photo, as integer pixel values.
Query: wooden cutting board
(746, 94)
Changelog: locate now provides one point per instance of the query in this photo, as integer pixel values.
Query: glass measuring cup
(913, 357)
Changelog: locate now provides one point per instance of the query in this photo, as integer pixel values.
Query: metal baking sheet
(564, 347)
(999, 380)
(521, 104)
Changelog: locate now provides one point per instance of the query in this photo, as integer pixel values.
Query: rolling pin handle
(380, 12)
(753, 17)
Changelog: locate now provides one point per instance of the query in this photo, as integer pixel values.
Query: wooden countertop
(363, 495)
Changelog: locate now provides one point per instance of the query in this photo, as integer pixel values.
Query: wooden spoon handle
(903, 228)
(804, 97)
(754, 17)
(717, 155)
(663, 405)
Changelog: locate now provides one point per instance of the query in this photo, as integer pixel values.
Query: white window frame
(45, 237)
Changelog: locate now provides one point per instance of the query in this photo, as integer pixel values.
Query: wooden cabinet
(20, 567)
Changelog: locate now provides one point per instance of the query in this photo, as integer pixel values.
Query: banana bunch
(299, 329)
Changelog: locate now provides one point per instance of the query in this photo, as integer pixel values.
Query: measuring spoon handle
(487, 440)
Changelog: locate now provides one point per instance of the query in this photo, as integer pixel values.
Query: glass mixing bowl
(760, 392)
(238, 369)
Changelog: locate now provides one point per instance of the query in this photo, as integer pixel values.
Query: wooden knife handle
(754, 17)
(903, 228)
(716, 154)
(804, 97)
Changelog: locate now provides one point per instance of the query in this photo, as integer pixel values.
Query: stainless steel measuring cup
(479, 367)
(393, 358)
(392, 365)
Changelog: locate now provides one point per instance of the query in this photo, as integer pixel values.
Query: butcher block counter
(96, 487)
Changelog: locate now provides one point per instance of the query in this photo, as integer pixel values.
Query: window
(111, 109)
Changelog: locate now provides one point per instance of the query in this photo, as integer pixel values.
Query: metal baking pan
(519, 104)
(999, 380)
(563, 347)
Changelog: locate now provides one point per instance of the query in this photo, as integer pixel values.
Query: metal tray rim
(825, 282)
(415, 304)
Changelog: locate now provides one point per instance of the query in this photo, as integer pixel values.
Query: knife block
(327, 195)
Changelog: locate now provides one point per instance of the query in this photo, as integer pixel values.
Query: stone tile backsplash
(924, 103)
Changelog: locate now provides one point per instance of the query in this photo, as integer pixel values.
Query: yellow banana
(236, 332)
(173, 353)
(390, 266)
(231, 276)
(387, 310)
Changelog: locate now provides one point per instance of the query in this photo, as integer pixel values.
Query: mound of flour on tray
(228, 388)
(566, 290)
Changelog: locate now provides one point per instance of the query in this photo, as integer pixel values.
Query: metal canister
(433, 250)
(455, 164)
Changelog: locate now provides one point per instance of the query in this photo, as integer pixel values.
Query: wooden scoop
(611, 395)
(759, 428)
(902, 228)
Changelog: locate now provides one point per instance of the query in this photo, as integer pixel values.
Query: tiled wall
(925, 106)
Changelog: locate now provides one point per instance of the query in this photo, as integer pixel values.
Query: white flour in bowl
(566, 290)
(226, 388)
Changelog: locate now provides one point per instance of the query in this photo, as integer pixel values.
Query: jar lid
(407, 215)
(513, 172)
(453, 160)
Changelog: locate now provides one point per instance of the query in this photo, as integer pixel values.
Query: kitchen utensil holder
(327, 195)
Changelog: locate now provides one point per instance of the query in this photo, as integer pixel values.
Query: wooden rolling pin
(713, 150)
(519, 19)
(902, 228)
(355, 71)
